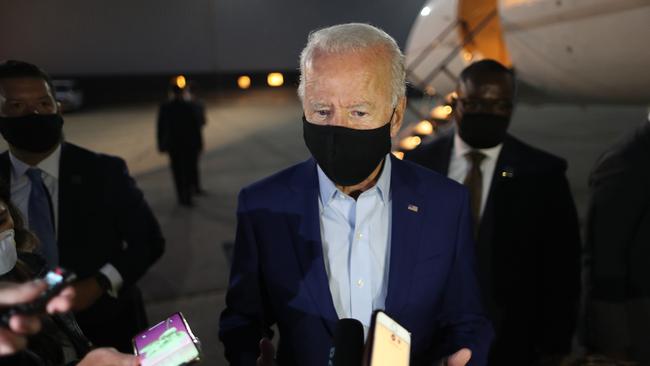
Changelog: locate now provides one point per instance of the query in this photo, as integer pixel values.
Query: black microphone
(348, 344)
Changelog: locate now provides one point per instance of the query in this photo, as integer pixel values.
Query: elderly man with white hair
(352, 229)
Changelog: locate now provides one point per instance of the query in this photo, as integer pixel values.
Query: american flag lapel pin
(413, 208)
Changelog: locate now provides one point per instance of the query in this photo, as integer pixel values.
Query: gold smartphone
(390, 343)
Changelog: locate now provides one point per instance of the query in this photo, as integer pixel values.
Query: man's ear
(398, 118)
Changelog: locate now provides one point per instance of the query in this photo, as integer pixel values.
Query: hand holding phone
(108, 357)
(56, 280)
(267, 353)
(168, 343)
(460, 358)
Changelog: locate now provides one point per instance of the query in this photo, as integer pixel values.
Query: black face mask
(35, 133)
(347, 156)
(483, 130)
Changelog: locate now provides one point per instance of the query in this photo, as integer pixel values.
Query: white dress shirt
(21, 187)
(459, 166)
(356, 245)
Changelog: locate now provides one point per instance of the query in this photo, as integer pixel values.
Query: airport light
(424, 128)
(410, 143)
(425, 11)
(441, 112)
(399, 154)
(181, 82)
(275, 79)
(244, 82)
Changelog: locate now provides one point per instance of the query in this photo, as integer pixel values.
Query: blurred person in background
(83, 206)
(525, 220)
(618, 251)
(180, 134)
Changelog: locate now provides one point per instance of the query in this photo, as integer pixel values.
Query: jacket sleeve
(245, 319)
(138, 228)
(462, 318)
(617, 206)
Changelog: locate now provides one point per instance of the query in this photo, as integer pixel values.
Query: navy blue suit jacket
(278, 274)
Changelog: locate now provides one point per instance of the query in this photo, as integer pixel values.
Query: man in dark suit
(353, 229)
(618, 248)
(180, 124)
(528, 243)
(84, 207)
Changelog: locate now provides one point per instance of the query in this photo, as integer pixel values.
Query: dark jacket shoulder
(84, 155)
(532, 159)
(281, 185)
(630, 155)
(436, 155)
(76, 160)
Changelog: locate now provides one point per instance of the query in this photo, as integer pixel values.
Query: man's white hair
(355, 37)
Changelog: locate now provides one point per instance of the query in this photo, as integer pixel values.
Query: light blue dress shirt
(356, 245)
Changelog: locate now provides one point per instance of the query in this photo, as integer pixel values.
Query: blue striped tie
(40, 217)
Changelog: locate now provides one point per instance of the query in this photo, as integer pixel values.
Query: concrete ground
(252, 134)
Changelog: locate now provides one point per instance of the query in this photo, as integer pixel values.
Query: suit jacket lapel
(303, 216)
(405, 234)
(504, 171)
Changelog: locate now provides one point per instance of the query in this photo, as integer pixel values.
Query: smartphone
(168, 343)
(390, 343)
(57, 279)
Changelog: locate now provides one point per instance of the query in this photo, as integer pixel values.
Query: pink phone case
(168, 343)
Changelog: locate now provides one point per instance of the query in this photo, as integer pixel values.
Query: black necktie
(474, 181)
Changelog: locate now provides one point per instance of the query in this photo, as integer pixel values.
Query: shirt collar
(328, 189)
(461, 148)
(49, 165)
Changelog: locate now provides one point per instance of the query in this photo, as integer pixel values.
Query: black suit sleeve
(135, 223)
(560, 272)
(618, 248)
(618, 204)
(246, 319)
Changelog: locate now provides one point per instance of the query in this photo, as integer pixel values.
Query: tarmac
(251, 134)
